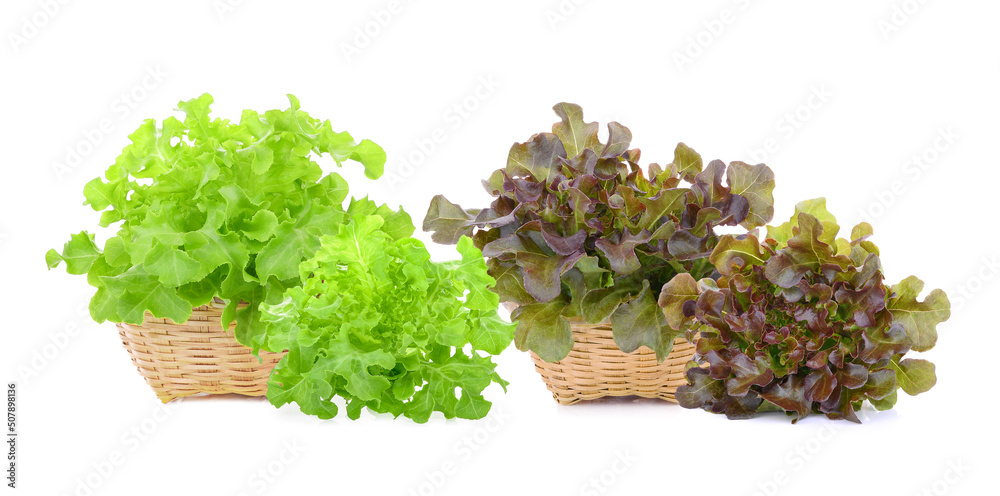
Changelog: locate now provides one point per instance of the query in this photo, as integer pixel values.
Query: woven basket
(195, 357)
(596, 368)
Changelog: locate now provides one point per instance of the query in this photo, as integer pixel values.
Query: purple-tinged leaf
(583, 164)
(756, 184)
(880, 384)
(683, 245)
(819, 384)
(505, 248)
(668, 202)
(838, 406)
(733, 210)
(538, 157)
(447, 220)
(640, 322)
(492, 218)
(619, 139)
(747, 373)
(681, 289)
(687, 162)
(719, 366)
(818, 360)
(600, 304)
(805, 253)
(741, 407)
(664, 233)
(865, 304)
(542, 273)
(561, 245)
(575, 134)
(732, 254)
(704, 220)
(818, 293)
(525, 191)
(621, 253)
(542, 329)
(608, 169)
(701, 390)
(707, 187)
(510, 282)
(852, 376)
(883, 344)
(789, 395)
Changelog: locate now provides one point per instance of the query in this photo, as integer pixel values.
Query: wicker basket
(596, 368)
(195, 357)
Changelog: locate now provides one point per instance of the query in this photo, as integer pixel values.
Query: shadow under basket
(596, 368)
(196, 357)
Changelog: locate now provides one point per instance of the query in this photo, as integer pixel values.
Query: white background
(891, 86)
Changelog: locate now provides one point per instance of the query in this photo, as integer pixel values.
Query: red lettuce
(803, 323)
(578, 230)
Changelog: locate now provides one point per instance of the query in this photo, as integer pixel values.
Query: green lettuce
(378, 324)
(206, 207)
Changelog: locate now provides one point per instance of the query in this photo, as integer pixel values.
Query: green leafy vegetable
(379, 324)
(803, 323)
(577, 230)
(207, 208)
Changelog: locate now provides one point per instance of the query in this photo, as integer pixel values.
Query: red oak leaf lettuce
(579, 230)
(803, 323)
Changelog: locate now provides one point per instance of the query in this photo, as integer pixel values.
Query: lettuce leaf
(803, 322)
(379, 324)
(205, 207)
(578, 229)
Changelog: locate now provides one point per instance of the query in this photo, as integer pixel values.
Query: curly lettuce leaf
(210, 208)
(379, 325)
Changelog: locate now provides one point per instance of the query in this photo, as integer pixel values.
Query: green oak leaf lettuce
(803, 322)
(379, 324)
(210, 208)
(579, 230)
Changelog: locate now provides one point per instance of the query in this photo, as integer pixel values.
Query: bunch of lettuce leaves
(379, 324)
(577, 231)
(803, 323)
(208, 208)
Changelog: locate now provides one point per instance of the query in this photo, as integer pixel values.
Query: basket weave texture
(596, 368)
(196, 357)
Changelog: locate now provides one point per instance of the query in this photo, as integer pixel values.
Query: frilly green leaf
(211, 208)
(379, 324)
(919, 318)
